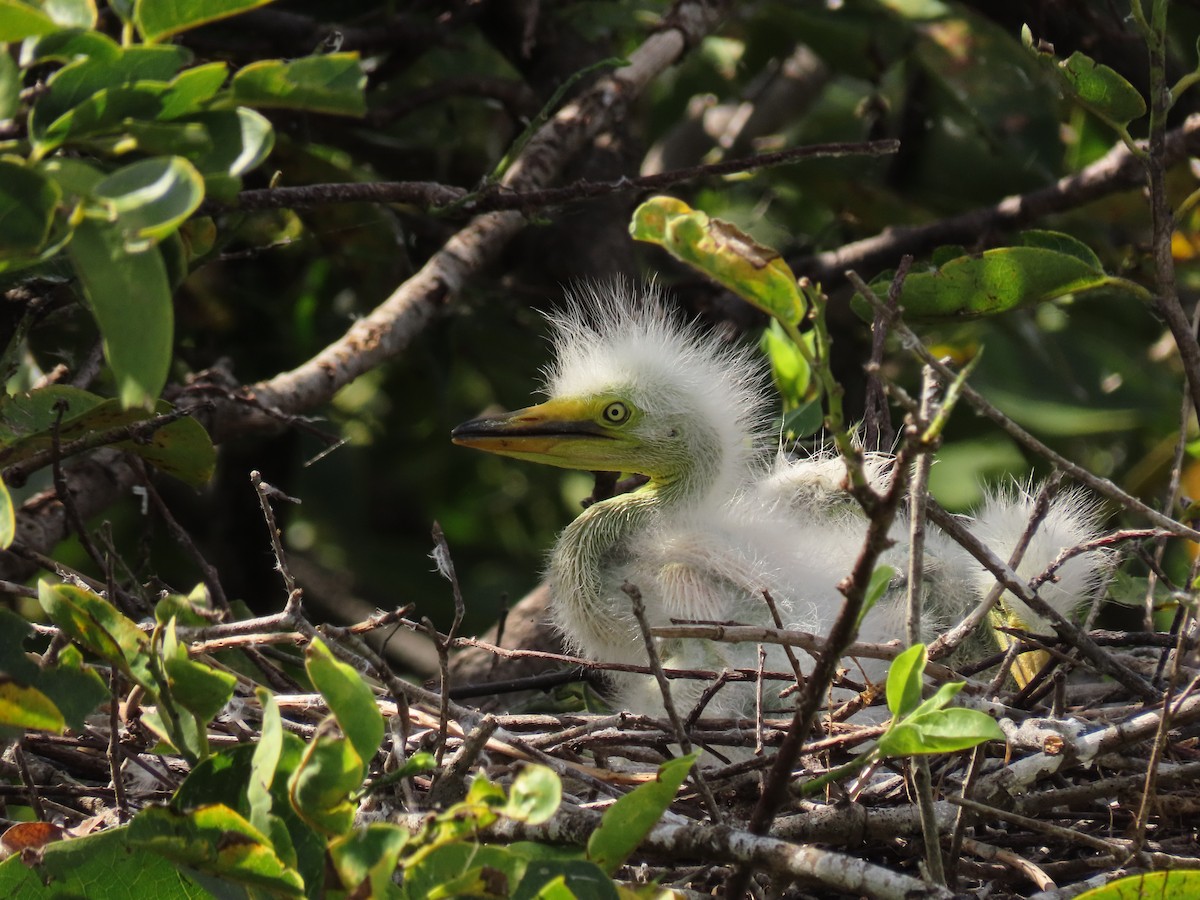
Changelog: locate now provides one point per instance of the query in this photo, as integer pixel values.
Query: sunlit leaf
(1159, 885)
(942, 731)
(26, 708)
(534, 795)
(97, 626)
(627, 822)
(8, 518)
(333, 83)
(28, 201)
(366, 858)
(157, 19)
(19, 20)
(1101, 89)
(905, 679)
(150, 198)
(320, 788)
(216, 840)
(131, 300)
(1000, 280)
(349, 697)
(725, 254)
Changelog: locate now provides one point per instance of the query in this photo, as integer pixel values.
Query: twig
(31, 788)
(445, 567)
(208, 572)
(882, 511)
(1117, 170)
(719, 843)
(878, 433)
(265, 494)
(19, 471)
(1068, 631)
(67, 499)
(685, 744)
(114, 746)
(1100, 485)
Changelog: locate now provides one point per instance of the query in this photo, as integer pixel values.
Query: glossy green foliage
(1183, 883)
(629, 820)
(1095, 86)
(186, 693)
(30, 421)
(1047, 266)
(123, 147)
(724, 253)
(930, 726)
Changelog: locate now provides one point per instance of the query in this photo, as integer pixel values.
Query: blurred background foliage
(452, 84)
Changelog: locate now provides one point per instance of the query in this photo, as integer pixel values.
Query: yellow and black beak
(557, 433)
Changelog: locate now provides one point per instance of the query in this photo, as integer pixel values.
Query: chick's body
(723, 521)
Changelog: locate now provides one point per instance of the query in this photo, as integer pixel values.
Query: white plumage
(724, 517)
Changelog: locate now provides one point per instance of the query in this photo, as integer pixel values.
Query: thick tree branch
(388, 329)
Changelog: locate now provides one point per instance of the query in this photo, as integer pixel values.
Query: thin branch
(685, 744)
(1118, 170)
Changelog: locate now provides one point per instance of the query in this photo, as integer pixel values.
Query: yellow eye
(615, 413)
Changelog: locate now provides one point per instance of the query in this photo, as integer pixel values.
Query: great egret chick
(724, 518)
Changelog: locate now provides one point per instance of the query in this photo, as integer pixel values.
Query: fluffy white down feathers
(733, 519)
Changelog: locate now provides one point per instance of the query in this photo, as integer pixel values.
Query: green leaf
(1158, 885)
(10, 86)
(28, 709)
(804, 420)
(25, 415)
(181, 448)
(218, 841)
(8, 518)
(225, 778)
(904, 680)
(1062, 243)
(366, 859)
(264, 761)
(158, 19)
(69, 44)
(19, 20)
(194, 685)
(350, 698)
(99, 867)
(534, 795)
(941, 731)
(881, 579)
(1101, 89)
(462, 869)
(627, 822)
(193, 88)
(28, 201)
(240, 140)
(334, 83)
(789, 368)
(98, 627)
(72, 689)
(131, 300)
(72, 13)
(725, 254)
(75, 688)
(941, 698)
(92, 97)
(150, 198)
(565, 879)
(321, 786)
(999, 280)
